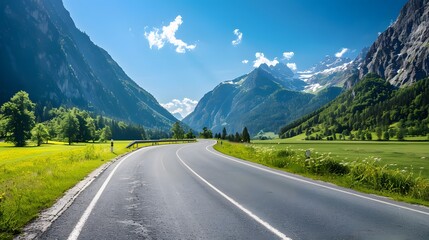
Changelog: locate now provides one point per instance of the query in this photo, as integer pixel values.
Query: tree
(237, 137)
(400, 134)
(105, 134)
(39, 134)
(69, 127)
(386, 135)
(368, 135)
(206, 133)
(245, 135)
(178, 132)
(224, 133)
(18, 118)
(379, 132)
(90, 126)
(189, 135)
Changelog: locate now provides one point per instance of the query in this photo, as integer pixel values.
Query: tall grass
(364, 174)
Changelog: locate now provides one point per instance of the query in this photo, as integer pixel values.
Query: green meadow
(32, 178)
(399, 170)
(410, 156)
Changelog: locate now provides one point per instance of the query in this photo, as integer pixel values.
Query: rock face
(43, 53)
(401, 53)
(264, 99)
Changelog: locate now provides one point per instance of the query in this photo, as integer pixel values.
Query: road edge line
(82, 220)
(314, 183)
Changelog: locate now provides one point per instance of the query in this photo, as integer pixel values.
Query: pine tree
(224, 133)
(245, 135)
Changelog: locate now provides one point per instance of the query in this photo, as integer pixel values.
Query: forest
(20, 122)
(373, 106)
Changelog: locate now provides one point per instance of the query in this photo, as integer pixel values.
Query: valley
(307, 120)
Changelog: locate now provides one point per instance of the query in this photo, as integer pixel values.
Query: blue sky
(195, 51)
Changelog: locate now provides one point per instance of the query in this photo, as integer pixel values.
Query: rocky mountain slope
(333, 71)
(401, 53)
(264, 99)
(43, 53)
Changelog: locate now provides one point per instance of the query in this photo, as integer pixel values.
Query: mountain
(42, 52)
(401, 53)
(332, 71)
(390, 92)
(264, 99)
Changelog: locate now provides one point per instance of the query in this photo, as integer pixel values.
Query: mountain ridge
(260, 100)
(47, 56)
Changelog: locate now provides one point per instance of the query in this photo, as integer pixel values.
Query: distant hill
(43, 53)
(264, 99)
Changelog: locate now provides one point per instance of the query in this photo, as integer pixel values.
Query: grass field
(394, 169)
(396, 155)
(32, 178)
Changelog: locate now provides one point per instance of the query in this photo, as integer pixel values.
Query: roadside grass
(394, 169)
(32, 178)
(409, 156)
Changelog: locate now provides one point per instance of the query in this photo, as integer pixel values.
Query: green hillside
(371, 108)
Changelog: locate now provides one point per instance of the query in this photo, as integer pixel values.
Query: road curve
(193, 192)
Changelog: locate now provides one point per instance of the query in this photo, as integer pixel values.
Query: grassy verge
(32, 178)
(365, 173)
(409, 156)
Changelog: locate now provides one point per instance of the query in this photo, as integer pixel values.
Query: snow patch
(313, 87)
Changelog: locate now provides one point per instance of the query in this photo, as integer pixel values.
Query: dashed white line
(315, 184)
(235, 203)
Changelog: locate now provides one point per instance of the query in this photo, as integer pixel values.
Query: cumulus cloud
(261, 59)
(245, 61)
(239, 37)
(288, 55)
(158, 38)
(292, 66)
(182, 107)
(341, 52)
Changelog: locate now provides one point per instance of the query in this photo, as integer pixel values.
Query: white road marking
(78, 228)
(315, 184)
(235, 203)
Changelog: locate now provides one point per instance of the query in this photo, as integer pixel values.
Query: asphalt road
(193, 192)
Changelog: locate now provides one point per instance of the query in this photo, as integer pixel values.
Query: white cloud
(261, 59)
(288, 55)
(168, 34)
(292, 66)
(341, 53)
(239, 37)
(245, 61)
(182, 107)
